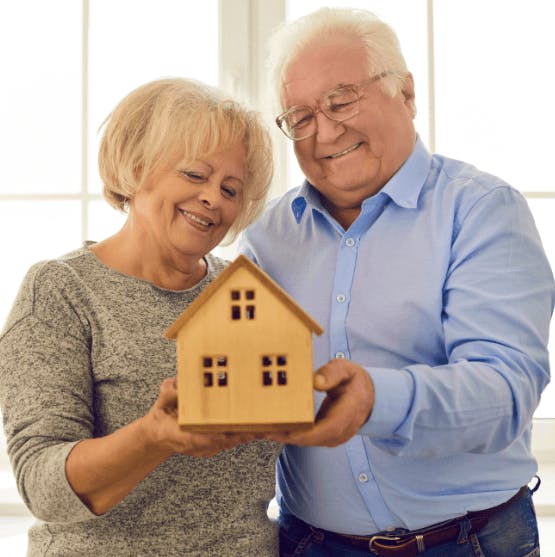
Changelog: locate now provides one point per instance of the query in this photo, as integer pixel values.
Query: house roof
(245, 262)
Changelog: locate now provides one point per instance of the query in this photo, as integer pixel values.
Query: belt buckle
(419, 538)
(385, 538)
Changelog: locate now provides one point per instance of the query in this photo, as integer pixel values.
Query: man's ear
(408, 93)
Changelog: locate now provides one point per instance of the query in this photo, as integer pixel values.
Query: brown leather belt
(415, 542)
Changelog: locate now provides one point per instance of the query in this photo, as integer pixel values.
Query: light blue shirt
(442, 291)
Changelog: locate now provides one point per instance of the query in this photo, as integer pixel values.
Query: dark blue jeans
(513, 532)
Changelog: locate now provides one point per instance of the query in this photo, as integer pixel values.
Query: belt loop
(317, 535)
(537, 486)
(420, 543)
(465, 527)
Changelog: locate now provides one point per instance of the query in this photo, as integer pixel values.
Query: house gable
(259, 276)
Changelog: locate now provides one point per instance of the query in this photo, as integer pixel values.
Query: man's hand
(348, 404)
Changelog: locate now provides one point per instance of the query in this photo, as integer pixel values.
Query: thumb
(320, 381)
(333, 374)
(168, 393)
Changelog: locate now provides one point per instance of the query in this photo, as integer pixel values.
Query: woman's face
(184, 209)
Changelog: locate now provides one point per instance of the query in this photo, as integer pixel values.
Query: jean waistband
(411, 543)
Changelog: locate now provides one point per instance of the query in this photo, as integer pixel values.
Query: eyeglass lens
(339, 104)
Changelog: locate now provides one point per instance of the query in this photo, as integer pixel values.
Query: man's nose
(327, 130)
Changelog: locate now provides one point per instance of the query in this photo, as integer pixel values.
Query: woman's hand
(163, 432)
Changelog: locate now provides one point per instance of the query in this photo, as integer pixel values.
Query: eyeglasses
(340, 104)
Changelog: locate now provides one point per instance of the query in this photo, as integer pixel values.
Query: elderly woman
(86, 382)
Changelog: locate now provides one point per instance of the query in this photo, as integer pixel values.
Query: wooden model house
(244, 356)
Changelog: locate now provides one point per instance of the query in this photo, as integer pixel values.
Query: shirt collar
(405, 185)
(308, 194)
(403, 188)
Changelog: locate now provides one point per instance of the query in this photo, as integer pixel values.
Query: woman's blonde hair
(181, 117)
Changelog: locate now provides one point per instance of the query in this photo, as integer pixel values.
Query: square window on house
(235, 295)
(249, 312)
(222, 379)
(282, 377)
(266, 361)
(282, 360)
(207, 362)
(266, 378)
(249, 294)
(208, 379)
(222, 361)
(235, 312)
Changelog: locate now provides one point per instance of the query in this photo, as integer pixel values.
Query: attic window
(274, 367)
(242, 304)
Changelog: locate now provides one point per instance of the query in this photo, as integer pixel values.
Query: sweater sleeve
(45, 393)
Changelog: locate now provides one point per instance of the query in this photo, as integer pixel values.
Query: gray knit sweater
(81, 355)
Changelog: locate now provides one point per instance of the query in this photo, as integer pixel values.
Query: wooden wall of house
(272, 331)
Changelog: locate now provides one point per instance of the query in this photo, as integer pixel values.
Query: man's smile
(345, 151)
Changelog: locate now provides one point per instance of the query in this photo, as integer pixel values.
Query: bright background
(483, 84)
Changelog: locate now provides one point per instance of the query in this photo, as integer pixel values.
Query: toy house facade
(244, 356)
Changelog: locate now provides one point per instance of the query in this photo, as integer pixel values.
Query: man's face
(349, 161)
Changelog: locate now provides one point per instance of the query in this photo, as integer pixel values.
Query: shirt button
(349, 242)
(340, 298)
(340, 355)
(362, 477)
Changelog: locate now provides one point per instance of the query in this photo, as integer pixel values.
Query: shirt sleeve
(498, 299)
(46, 395)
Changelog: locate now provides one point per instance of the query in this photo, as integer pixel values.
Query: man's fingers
(324, 433)
(347, 405)
(332, 374)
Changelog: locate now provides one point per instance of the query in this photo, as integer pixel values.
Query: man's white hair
(382, 44)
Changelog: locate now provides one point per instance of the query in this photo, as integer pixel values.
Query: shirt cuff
(393, 394)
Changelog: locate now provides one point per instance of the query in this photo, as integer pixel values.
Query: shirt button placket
(345, 267)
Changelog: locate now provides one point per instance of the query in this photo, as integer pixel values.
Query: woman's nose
(209, 195)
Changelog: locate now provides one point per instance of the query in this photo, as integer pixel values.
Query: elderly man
(432, 284)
